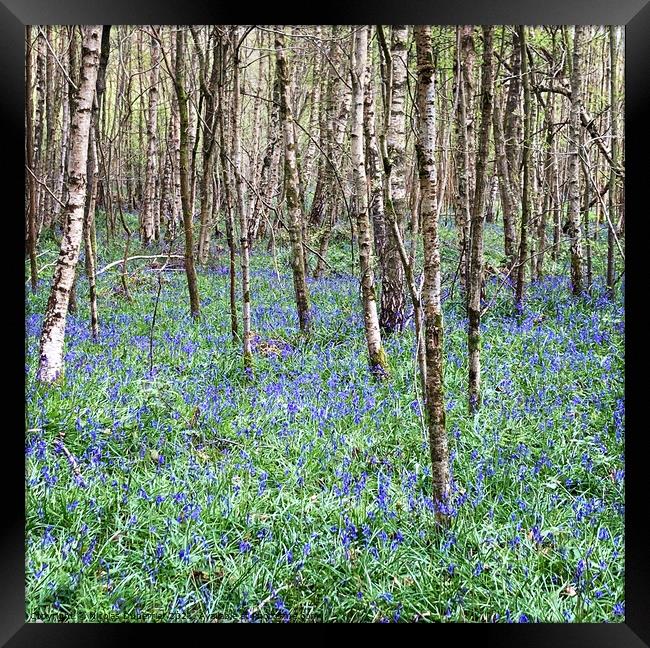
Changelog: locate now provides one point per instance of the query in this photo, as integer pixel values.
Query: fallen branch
(152, 256)
(60, 446)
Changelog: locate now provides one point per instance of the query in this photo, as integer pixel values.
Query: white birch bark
(148, 219)
(52, 337)
(376, 354)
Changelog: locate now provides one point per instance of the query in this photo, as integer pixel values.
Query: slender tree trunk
(575, 128)
(66, 101)
(431, 298)
(29, 156)
(241, 208)
(613, 99)
(50, 117)
(508, 202)
(338, 111)
(270, 164)
(326, 138)
(148, 220)
(557, 209)
(89, 224)
(391, 317)
(175, 134)
(475, 277)
(90, 228)
(513, 119)
(376, 355)
(103, 187)
(52, 337)
(586, 166)
(375, 170)
(39, 126)
(549, 179)
(526, 171)
(256, 139)
(230, 225)
(462, 208)
(292, 191)
(314, 116)
(181, 95)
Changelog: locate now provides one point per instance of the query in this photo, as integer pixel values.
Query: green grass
(303, 493)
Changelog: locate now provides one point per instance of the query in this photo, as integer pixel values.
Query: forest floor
(303, 493)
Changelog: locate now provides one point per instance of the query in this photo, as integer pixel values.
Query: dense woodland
(302, 298)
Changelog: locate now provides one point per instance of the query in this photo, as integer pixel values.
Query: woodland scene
(324, 323)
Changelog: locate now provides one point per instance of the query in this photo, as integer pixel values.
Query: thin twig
(40, 182)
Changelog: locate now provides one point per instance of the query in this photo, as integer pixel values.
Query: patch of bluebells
(313, 424)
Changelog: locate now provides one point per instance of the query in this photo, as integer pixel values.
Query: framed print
(324, 319)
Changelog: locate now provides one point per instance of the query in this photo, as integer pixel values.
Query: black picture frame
(634, 14)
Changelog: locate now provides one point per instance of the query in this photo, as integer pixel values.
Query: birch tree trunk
(376, 355)
(391, 317)
(574, 164)
(52, 337)
(613, 99)
(475, 278)
(39, 125)
(431, 299)
(512, 124)
(181, 94)
(338, 112)
(375, 171)
(66, 101)
(314, 115)
(50, 120)
(463, 204)
(228, 199)
(89, 224)
(292, 190)
(508, 202)
(29, 158)
(148, 220)
(243, 216)
(209, 125)
(550, 171)
(526, 172)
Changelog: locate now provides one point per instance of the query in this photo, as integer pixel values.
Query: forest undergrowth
(199, 492)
